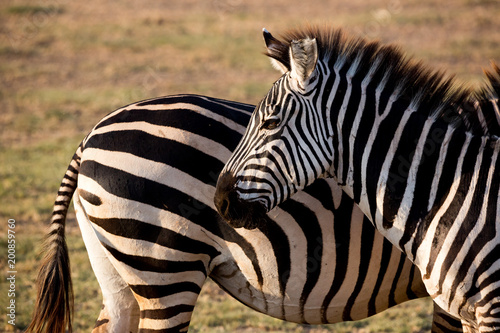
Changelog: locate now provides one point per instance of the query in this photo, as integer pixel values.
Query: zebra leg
(468, 328)
(120, 311)
(443, 322)
(168, 307)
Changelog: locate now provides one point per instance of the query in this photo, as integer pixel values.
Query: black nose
(235, 211)
(226, 198)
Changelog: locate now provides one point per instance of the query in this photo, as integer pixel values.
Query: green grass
(31, 176)
(34, 9)
(27, 256)
(65, 65)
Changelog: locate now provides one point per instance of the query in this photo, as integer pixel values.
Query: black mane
(435, 92)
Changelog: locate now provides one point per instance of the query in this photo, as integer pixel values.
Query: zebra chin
(236, 212)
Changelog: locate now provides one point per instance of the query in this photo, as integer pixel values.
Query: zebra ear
(277, 51)
(303, 58)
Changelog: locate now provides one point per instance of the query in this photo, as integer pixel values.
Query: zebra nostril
(224, 207)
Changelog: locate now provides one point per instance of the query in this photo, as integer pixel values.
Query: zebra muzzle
(233, 210)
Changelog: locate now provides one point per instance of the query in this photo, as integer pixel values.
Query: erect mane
(492, 88)
(430, 90)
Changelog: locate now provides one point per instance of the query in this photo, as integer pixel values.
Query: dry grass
(65, 64)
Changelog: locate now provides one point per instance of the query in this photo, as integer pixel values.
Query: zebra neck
(404, 168)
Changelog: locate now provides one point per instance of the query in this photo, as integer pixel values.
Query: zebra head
(283, 149)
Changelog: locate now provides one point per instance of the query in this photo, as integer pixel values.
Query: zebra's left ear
(277, 51)
(303, 59)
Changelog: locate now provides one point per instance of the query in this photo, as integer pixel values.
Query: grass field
(65, 64)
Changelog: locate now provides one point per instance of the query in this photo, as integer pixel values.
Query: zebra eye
(270, 123)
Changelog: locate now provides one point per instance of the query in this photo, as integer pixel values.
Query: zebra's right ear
(303, 59)
(278, 52)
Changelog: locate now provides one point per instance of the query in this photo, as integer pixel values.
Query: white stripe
(326, 221)
(159, 324)
(354, 131)
(184, 297)
(347, 287)
(474, 233)
(407, 201)
(155, 171)
(135, 276)
(135, 247)
(439, 166)
(342, 112)
(432, 281)
(339, 64)
(394, 235)
(452, 234)
(371, 138)
(423, 253)
(137, 210)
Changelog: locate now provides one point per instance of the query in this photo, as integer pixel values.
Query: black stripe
(493, 294)
(394, 286)
(487, 233)
(312, 231)
(176, 329)
(128, 186)
(444, 185)
(162, 150)
(487, 261)
(281, 249)
(157, 291)
(367, 237)
(166, 313)
(379, 150)
(90, 197)
(350, 114)
(321, 191)
(454, 208)
(101, 322)
(425, 173)
(72, 169)
(60, 211)
(409, 291)
(400, 167)
(384, 264)
(183, 119)
(307, 135)
(149, 264)
(135, 229)
(361, 139)
(215, 105)
(342, 232)
(335, 107)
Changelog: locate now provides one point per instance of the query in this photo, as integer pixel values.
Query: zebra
(394, 135)
(143, 182)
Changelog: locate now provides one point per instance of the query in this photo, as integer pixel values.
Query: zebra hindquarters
(153, 250)
(120, 310)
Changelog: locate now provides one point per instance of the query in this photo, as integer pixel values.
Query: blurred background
(65, 64)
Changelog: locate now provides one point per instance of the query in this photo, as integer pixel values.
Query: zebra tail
(54, 303)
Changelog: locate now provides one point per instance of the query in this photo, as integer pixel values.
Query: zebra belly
(329, 279)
